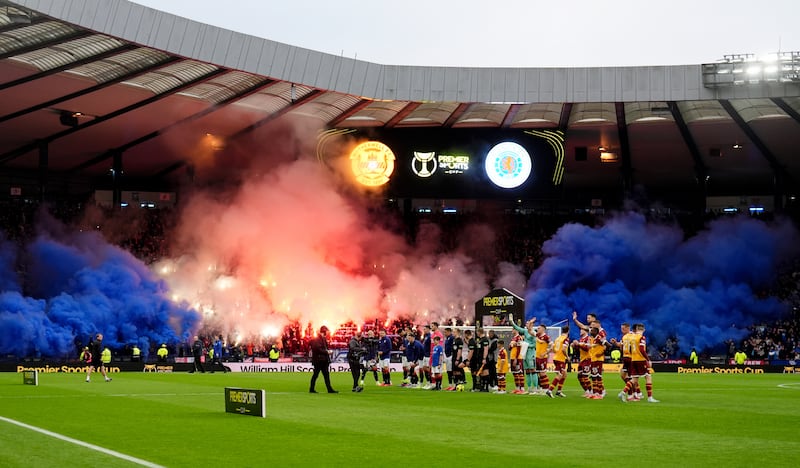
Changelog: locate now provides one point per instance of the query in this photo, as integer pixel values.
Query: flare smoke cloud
(294, 241)
(295, 245)
(76, 285)
(703, 290)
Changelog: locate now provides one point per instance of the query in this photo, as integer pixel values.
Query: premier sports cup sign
(493, 308)
(246, 401)
(30, 377)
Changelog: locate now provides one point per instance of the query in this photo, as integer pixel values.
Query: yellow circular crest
(372, 163)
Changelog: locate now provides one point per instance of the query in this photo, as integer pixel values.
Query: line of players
(488, 360)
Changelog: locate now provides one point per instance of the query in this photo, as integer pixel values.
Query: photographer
(355, 351)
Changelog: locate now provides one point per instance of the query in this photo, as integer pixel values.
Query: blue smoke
(703, 290)
(77, 286)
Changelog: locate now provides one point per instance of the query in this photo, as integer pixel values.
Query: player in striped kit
(585, 362)
(502, 366)
(542, 353)
(560, 358)
(515, 363)
(626, 344)
(640, 365)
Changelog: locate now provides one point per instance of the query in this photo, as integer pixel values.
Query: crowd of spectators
(776, 340)
(143, 232)
(519, 236)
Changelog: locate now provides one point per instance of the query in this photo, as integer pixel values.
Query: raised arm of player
(514, 324)
(578, 322)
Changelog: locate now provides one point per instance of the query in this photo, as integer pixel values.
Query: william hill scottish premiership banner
(493, 308)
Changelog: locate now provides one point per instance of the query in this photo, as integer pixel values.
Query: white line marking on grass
(791, 386)
(113, 453)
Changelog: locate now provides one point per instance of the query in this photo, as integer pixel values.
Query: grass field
(178, 420)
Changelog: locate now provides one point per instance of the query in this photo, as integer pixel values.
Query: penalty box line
(96, 448)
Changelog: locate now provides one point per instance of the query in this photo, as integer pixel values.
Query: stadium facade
(108, 94)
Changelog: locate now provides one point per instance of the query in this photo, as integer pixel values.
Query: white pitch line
(113, 453)
(793, 386)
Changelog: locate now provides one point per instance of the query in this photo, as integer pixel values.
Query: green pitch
(178, 420)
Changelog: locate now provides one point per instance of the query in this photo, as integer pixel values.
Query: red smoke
(298, 241)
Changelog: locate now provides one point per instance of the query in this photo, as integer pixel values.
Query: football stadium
(219, 249)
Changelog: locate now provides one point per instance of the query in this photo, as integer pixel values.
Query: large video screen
(469, 163)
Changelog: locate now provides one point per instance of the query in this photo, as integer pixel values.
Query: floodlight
(782, 67)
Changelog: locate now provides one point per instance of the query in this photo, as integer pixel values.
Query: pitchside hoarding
(293, 367)
(45, 368)
(246, 401)
(30, 377)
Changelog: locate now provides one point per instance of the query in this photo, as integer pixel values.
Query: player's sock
(544, 381)
(649, 388)
(628, 387)
(553, 384)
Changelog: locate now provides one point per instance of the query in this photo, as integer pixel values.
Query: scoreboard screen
(462, 162)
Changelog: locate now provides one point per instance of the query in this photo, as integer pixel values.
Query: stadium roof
(87, 84)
